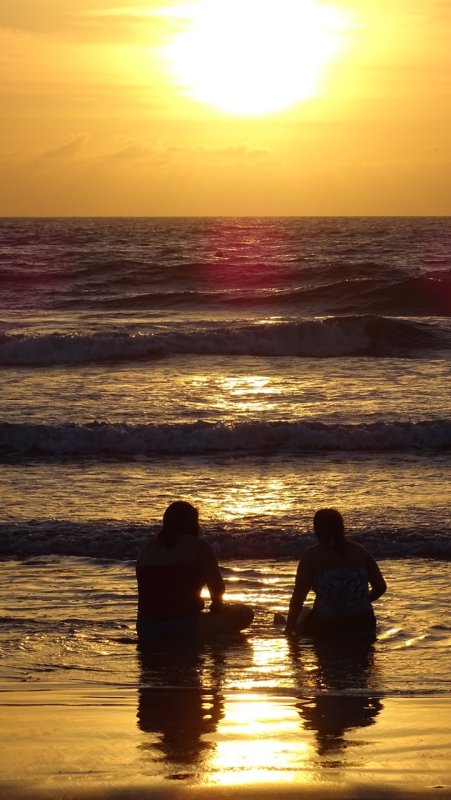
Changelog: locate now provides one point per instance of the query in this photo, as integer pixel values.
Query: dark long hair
(329, 528)
(179, 519)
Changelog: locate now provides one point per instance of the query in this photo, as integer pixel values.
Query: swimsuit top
(169, 591)
(341, 593)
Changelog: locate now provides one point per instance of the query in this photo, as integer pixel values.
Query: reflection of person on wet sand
(172, 569)
(331, 716)
(339, 572)
(342, 699)
(174, 706)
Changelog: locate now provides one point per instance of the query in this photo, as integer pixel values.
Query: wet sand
(69, 742)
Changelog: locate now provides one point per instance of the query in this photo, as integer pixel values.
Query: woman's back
(349, 555)
(339, 578)
(340, 573)
(172, 569)
(185, 550)
(170, 579)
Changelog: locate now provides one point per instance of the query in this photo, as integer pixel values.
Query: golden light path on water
(242, 499)
(259, 741)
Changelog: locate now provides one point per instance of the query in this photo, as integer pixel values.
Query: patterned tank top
(341, 593)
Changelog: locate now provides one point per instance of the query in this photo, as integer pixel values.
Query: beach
(259, 369)
(69, 743)
(86, 713)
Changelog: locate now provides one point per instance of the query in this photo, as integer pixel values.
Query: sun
(251, 57)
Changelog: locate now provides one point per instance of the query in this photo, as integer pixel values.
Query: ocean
(260, 368)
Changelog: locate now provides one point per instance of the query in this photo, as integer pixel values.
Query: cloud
(136, 151)
(240, 154)
(131, 151)
(103, 22)
(234, 153)
(47, 16)
(64, 151)
(128, 12)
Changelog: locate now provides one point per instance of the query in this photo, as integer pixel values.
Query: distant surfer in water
(341, 574)
(172, 569)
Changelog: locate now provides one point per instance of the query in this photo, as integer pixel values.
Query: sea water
(258, 368)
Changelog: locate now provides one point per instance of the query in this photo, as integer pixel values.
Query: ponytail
(329, 528)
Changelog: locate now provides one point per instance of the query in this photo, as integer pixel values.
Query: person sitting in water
(172, 569)
(340, 573)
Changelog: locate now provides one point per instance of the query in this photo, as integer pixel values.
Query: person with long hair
(172, 569)
(345, 578)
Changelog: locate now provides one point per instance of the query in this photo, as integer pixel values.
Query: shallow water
(79, 627)
(258, 506)
(239, 389)
(260, 369)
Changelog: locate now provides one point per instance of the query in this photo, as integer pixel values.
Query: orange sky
(95, 122)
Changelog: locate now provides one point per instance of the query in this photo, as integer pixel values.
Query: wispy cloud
(131, 151)
(124, 11)
(89, 20)
(138, 21)
(67, 150)
(78, 151)
(155, 9)
(134, 151)
(234, 153)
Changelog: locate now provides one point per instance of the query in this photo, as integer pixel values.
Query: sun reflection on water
(259, 740)
(248, 393)
(263, 496)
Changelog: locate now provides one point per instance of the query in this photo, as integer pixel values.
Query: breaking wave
(121, 440)
(364, 335)
(122, 541)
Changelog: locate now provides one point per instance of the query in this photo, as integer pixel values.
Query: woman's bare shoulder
(356, 547)
(200, 545)
(311, 554)
(148, 547)
(358, 552)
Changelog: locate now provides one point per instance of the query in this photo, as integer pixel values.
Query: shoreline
(357, 791)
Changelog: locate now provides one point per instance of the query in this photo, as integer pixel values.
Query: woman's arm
(302, 587)
(212, 575)
(375, 579)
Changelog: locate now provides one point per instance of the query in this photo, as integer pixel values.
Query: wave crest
(319, 338)
(102, 439)
(122, 541)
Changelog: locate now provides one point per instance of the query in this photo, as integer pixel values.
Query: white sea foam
(331, 336)
(122, 440)
(121, 541)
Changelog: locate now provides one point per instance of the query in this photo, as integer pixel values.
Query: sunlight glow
(263, 496)
(260, 741)
(251, 57)
(251, 394)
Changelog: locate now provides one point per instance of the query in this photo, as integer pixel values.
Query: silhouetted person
(340, 573)
(172, 569)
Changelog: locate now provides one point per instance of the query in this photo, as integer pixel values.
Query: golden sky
(155, 108)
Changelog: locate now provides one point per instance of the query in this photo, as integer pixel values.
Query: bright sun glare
(250, 57)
